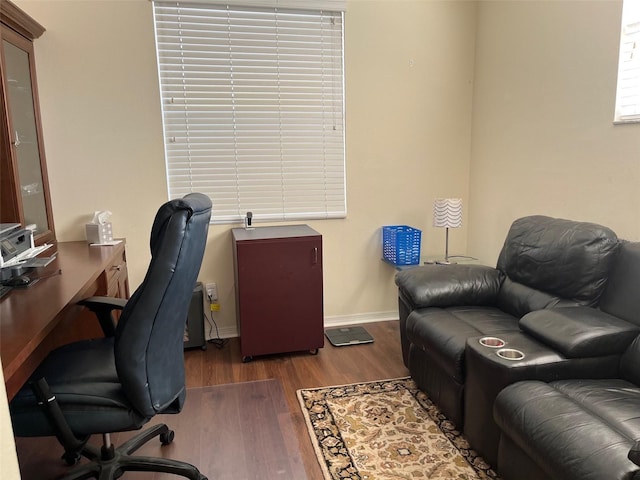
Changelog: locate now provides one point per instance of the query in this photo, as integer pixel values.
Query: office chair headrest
(193, 204)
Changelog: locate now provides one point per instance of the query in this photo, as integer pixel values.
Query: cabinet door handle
(17, 140)
(315, 255)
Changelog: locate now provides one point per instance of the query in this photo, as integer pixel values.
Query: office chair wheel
(167, 438)
(70, 458)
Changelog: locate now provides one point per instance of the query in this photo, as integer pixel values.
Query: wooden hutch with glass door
(25, 199)
(24, 185)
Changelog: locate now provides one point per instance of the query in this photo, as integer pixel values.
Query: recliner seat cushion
(573, 429)
(615, 401)
(443, 332)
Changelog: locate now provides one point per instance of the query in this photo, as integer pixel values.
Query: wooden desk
(44, 315)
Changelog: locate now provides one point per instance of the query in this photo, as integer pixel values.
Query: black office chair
(119, 382)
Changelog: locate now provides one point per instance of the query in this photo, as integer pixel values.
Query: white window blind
(628, 93)
(253, 108)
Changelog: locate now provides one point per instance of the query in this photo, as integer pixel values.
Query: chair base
(111, 463)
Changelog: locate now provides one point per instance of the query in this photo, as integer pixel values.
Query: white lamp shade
(447, 212)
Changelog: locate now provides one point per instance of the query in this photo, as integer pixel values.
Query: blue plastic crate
(401, 244)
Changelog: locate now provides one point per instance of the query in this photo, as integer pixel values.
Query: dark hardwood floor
(220, 366)
(379, 360)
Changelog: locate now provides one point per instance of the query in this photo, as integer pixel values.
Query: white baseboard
(222, 332)
(332, 321)
(357, 318)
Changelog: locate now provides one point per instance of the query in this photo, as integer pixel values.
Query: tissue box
(99, 233)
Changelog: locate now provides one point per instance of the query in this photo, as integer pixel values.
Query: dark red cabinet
(278, 284)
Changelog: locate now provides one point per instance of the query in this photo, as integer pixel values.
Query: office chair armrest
(103, 308)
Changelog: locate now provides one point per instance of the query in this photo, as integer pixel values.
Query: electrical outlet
(212, 292)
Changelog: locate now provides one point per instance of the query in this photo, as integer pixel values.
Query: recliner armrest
(103, 308)
(580, 331)
(450, 285)
(634, 453)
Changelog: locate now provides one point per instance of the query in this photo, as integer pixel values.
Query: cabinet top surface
(262, 233)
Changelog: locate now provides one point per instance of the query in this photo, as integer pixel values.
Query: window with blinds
(628, 93)
(253, 108)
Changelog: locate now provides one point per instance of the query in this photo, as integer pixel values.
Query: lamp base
(445, 262)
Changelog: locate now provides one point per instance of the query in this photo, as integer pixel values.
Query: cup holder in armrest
(492, 342)
(510, 354)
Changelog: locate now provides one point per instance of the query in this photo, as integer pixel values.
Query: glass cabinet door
(24, 136)
(24, 185)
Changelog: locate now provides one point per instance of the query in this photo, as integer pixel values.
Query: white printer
(14, 242)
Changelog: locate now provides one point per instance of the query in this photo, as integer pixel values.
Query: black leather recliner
(582, 429)
(119, 382)
(544, 263)
(557, 343)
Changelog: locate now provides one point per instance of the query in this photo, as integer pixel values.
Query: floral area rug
(386, 430)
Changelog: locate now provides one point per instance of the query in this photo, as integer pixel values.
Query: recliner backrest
(630, 363)
(149, 350)
(621, 297)
(552, 262)
(562, 257)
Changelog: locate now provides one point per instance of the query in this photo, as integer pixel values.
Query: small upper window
(628, 92)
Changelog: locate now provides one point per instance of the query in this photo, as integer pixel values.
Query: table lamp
(447, 213)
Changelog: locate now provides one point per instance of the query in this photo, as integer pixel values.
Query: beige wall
(409, 85)
(539, 138)
(543, 139)
(97, 79)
